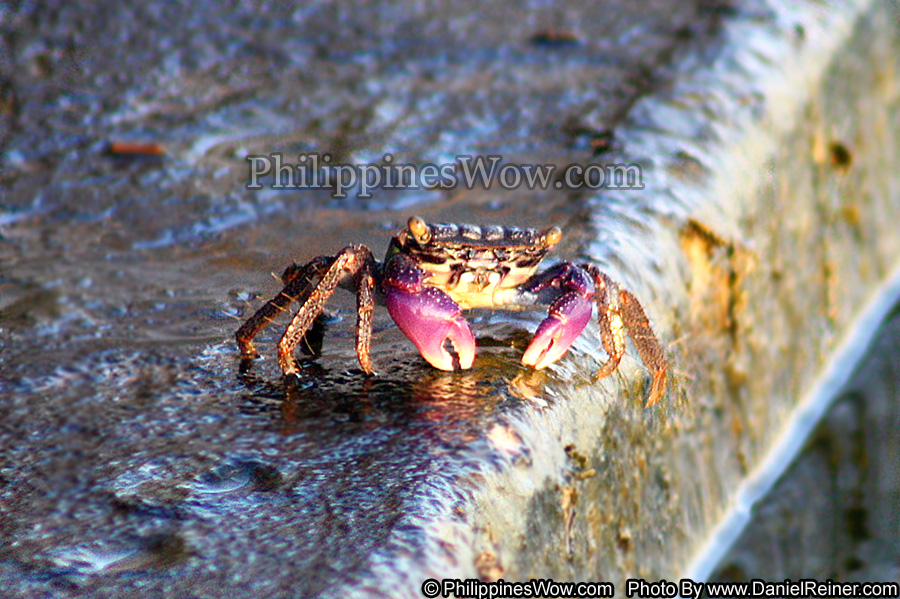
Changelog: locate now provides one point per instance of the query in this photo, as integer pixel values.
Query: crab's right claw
(568, 316)
(428, 317)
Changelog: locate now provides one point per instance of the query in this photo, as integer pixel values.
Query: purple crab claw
(568, 315)
(429, 317)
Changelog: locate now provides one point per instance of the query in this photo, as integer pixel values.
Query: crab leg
(620, 312)
(365, 305)
(348, 262)
(645, 341)
(296, 280)
(566, 318)
(427, 315)
(612, 327)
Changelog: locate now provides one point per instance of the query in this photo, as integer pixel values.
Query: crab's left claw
(427, 315)
(428, 318)
(568, 315)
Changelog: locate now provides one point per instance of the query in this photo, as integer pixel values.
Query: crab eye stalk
(419, 228)
(551, 236)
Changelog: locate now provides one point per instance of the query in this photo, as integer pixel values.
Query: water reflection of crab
(434, 271)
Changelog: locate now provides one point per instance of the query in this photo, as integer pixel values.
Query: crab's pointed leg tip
(658, 390)
(367, 369)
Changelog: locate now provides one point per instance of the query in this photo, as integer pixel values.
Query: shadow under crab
(432, 272)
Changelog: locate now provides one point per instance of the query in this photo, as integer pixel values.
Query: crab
(433, 272)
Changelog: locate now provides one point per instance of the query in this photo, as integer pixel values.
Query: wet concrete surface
(136, 453)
